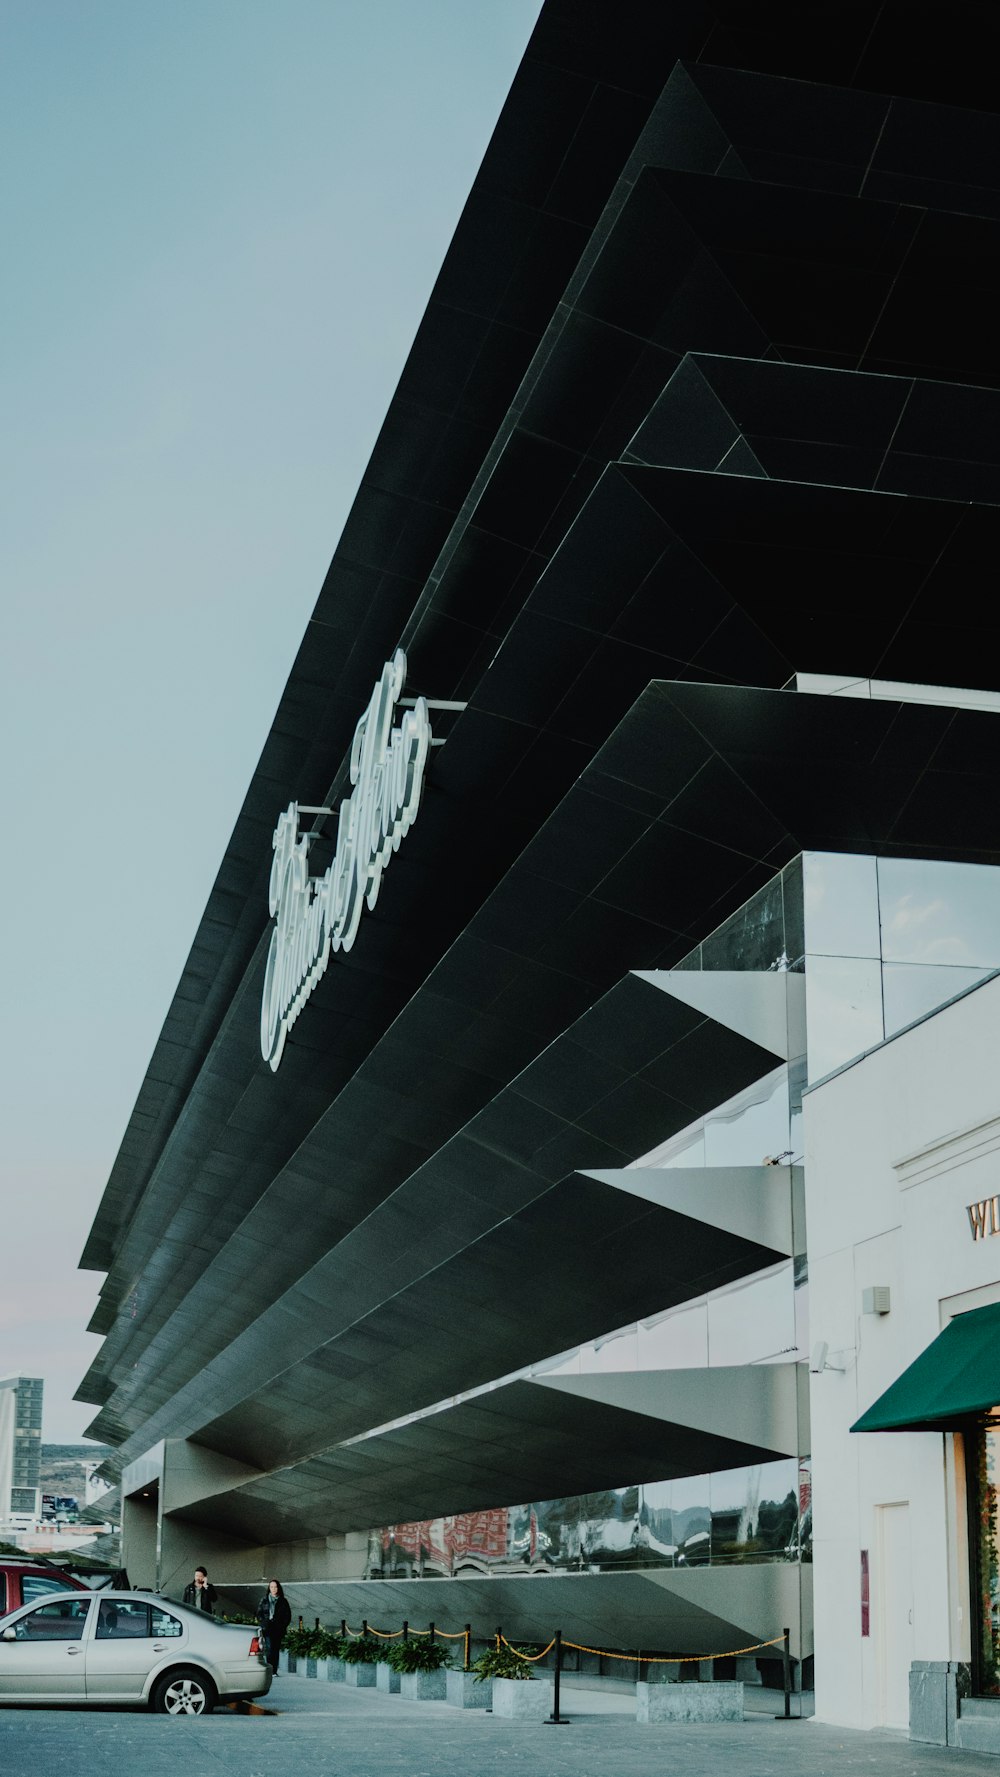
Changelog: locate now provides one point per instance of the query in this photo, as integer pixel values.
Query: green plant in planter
(417, 1656)
(502, 1662)
(362, 1650)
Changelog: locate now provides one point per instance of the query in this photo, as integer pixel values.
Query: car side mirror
(9, 1635)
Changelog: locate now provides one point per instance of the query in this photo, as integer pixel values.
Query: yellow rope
(665, 1659)
(529, 1659)
(577, 1646)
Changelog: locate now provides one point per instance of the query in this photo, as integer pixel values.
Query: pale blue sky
(221, 221)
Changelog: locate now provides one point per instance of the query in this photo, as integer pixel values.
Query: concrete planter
(688, 1702)
(287, 1662)
(424, 1687)
(519, 1699)
(360, 1674)
(335, 1670)
(463, 1692)
(386, 1679)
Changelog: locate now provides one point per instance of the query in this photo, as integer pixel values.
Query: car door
(42, 1652)
(131, 1637)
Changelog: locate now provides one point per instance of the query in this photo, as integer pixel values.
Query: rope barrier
(665, 1659)
(529, 1659)
(604, 1653)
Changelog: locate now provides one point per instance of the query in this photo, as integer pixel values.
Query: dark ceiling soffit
(521, 1441)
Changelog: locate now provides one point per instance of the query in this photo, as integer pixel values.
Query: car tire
(184, 1692)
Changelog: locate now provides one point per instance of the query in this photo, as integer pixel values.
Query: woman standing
(274, 1614)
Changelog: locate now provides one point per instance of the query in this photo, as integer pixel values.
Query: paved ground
(325, 1730)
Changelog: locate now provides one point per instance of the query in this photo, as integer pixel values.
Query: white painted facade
(897, 1145)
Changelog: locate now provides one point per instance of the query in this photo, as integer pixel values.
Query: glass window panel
(164, 1624)
(843, 1010)
(692, 1520)
(754, 1322)
(792, 892)
(935, 912)
(755, 1513)
(841, 904)
(678, 1342)
(754, 936)
(986, 1552)
(910, 991)
(122, 1619)
(35, 1585)
(54, 1622)
(752, 1127)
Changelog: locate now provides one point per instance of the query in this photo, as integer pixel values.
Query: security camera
(819, 1352)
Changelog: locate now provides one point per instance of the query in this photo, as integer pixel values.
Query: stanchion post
(317, 1622)
(555, 1720)
(343, 1627)
(499, 1638)
(468, 1646)
(786, 1664)
(364, 1625)
(430, 1635)
(301, 1625)
(406, 1630)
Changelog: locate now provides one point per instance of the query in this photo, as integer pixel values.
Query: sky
(220, 221)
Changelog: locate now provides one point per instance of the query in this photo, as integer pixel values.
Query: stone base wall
(689, 1702)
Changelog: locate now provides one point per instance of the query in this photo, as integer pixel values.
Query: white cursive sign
(315, 915)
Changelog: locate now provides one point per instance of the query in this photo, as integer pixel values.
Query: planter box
(463, 1692)
(519, 1699)
(287, 1662)
(385, 1678)
(359, 1674)
(335, 1670)
(689, 1702)
(424, 1687)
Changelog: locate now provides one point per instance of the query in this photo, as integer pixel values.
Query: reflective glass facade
(762, 1513)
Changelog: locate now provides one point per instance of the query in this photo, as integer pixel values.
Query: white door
(893, 1613)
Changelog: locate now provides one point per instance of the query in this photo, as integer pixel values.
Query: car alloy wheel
(184, 1694)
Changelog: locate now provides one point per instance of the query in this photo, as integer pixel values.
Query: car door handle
(159, 1647)
(72, 1650)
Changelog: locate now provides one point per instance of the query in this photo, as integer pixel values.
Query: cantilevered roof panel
(546, 1438)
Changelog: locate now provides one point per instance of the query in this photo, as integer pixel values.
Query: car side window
(36, 1585)
(164, 1624)
(122, 1619)
(63, 1621)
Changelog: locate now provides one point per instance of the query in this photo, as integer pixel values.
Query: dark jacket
(209, 1597)
(278, 1623)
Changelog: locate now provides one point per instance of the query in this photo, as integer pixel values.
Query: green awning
(955, 1379)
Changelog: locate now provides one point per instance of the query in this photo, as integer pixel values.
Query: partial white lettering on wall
(317, 915)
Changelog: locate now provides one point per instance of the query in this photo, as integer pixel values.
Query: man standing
(199, 1594)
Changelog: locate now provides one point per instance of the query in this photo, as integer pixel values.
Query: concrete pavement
(326, 1730)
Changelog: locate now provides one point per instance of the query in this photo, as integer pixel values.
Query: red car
(22, 1581)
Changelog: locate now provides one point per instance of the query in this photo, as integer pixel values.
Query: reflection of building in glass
(518, 1262)
(20, 1445)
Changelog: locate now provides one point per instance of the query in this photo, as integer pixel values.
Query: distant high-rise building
(20, 1444)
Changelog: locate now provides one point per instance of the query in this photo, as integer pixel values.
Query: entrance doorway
(894, 1618)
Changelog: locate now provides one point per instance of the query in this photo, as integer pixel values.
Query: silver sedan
(127, 1647)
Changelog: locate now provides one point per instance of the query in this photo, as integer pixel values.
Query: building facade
(461, 1231)
(20, 1447)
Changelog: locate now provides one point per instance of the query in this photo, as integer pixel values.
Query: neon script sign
(317, 915)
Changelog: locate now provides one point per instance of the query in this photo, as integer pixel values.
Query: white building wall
(897, 1145)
